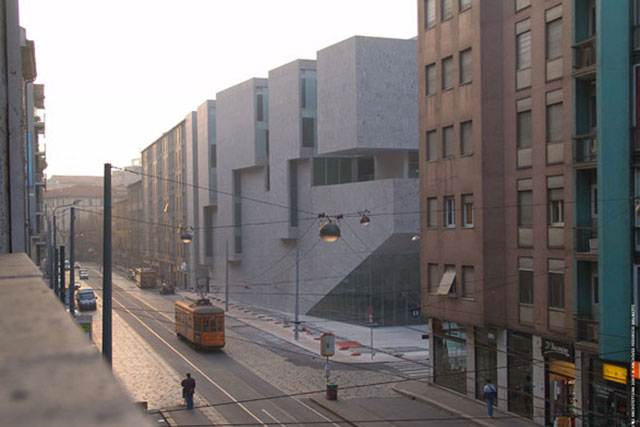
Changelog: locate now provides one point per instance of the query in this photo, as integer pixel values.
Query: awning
(446, 282)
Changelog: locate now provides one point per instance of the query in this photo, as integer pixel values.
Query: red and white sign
(327, 344)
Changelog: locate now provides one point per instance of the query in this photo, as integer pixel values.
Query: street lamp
(364, 217)
(55, 241)
(186, 234)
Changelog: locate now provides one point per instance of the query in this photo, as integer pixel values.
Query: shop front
(560, 377)
(605, 391)
(520, 367)
(450, 355)
(486, 352)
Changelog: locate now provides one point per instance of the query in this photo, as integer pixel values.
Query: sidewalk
(456, 404)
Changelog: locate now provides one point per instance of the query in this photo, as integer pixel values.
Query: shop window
(520, 383)
(450, 355)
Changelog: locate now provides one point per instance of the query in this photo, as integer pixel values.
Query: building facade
(495, 166)
(333, 136)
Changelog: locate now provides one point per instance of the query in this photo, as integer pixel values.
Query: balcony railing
(587, 329)
(585, 149)
(585, 240)
(584, 58)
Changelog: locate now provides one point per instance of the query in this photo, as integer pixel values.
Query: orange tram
(200, 323)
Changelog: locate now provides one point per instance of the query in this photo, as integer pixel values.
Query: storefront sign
(614, 373)
(636, 370)
(557, 350)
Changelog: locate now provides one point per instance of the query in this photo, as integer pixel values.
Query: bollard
(332, 391)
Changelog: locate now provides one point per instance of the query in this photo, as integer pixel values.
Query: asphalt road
(236, 393)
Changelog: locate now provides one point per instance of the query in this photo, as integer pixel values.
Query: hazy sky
(119, 73)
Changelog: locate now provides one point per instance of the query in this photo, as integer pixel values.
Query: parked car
(86, 299)
(77, 265)
(84, 274)
(166, 289)
(67, 264)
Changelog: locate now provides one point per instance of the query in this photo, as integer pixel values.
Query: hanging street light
(186, 234)
(364, 217)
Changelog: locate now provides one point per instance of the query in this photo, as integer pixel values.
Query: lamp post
(186, 235)
(55, 243)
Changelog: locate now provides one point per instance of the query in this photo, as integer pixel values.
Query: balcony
(584, 59)
(586, 329)
(585, 240)
(585, 150)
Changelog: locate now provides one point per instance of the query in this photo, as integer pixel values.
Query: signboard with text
(327, 344)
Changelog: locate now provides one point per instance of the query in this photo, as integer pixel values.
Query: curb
(441, 405)
(326, 407)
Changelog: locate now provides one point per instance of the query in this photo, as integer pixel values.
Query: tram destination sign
(557, 349)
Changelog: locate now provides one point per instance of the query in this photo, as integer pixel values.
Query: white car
(84, 274)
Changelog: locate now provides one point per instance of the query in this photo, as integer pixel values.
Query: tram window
(198, 323)
(205, 325)
(220, 324)
(213, 325)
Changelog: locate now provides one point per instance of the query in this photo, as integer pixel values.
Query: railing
(585, 239)
(584, 56)
(585, 148)
(587, 329)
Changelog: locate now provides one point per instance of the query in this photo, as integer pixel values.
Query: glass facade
(450, 355)
(389, 284)
(486, 359)
(520, 359)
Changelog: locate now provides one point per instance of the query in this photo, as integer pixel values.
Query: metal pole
(226, 276)
(106, 267)
(62, 275)
(49, 254)
(55, 250)
(296, 321)
(72, 275)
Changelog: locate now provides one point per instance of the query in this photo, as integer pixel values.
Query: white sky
(119, 73)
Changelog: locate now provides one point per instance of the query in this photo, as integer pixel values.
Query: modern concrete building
(495, 97)
(333, 136)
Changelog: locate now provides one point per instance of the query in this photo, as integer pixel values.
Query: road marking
(192, 365)
(272, 417)
(316, 412)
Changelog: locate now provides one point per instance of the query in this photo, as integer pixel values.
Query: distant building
(56, 182)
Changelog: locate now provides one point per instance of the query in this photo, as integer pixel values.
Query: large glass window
(447, 73)
(486, 359)
(331, 170)
(432, 145)
(450, 355)
(430, 79)
(413, 164)
(366, 171)
(519, 362)
(466, 66)
(447, 141)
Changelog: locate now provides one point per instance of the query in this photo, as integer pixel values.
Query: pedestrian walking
(489, 391)
(188, 388)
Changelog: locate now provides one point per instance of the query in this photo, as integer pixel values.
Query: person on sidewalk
(489, 391)
(188, 388)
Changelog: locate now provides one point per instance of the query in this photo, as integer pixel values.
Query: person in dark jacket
(188, 388)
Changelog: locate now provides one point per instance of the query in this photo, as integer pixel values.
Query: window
(259, 108)
(466, 137)
(447, 284)
(523, 54)
(365, 169)
(208, 230)
(237, 210)
(413, 164)
(525, 281)
(556, 207)
(449, 212)
(429, 13)
(468, 282)
(430, 79)
(432, 212)
(432, 146)
(523, 129)
(331, 170)
(446, 9)
(308, 132)
(464, 5)
(525, 208)
(212, 154)
(522, 4)
(432, 277)
(466, 66)
(293, 193)
(554, 122)
(447, 141)
(467, 210)
(447, 73)
(594, 201)
(554, 39)
(556, 283)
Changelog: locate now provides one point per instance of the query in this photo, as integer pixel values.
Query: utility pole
(72, 275)
(49, 254)
(55, 256)
(226, 276)
(106, 267)
(62, 275)
(296, 321)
